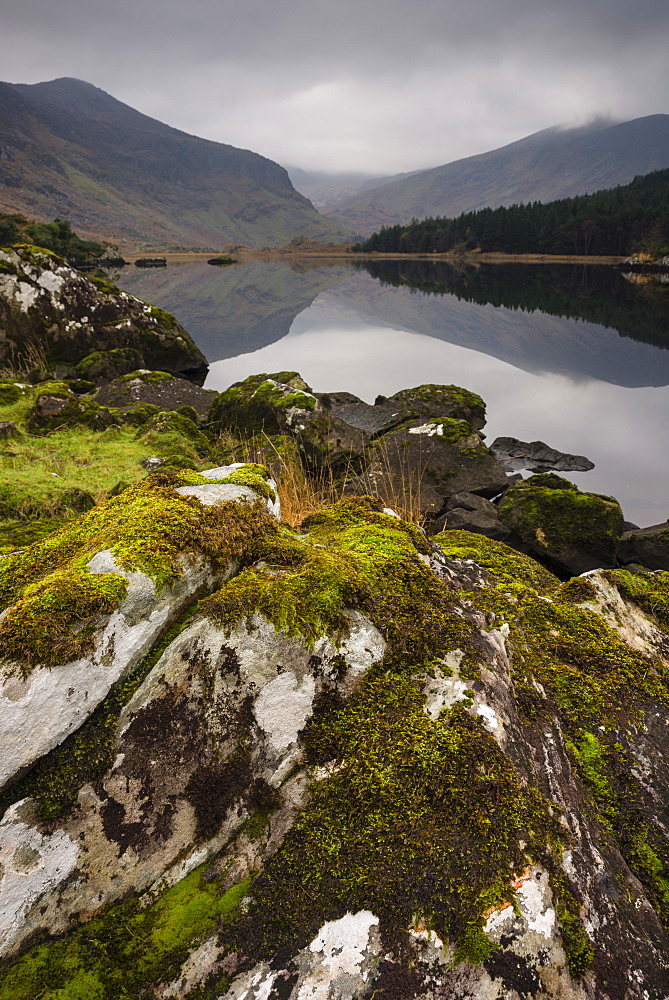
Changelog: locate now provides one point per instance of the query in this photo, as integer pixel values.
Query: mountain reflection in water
(576, 320)
(523, 336)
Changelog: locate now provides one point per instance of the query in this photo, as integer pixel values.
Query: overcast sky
(377, 86)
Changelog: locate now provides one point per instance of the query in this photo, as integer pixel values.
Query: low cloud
(371, 85)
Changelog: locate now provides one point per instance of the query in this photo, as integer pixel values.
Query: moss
(60, 390)
(172, 432)
(650, 591)
(105, 286)
(598, 687)
(146, 527)
(509, 567)
(578, 946)
(189, 412)
(147, 376)
(108, 364)
(140, 414)
(550, 517)
(10, 392)
(450, 395)
(421, 816)
(451, 429)
(165, 319)
(76, 413)
(255, 477)
(88, 754)
(256, 403)
(64, 610)
(123, 953)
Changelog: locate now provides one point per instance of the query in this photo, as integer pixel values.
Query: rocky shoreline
(409, 744)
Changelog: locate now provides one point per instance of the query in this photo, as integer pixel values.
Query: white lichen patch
(32, 865)
(363, 646)
(282, 708)
(254, 985)
(342, 955)
(533, 912)
(445, 688)
(628, 620)
(51, 281)
(429, 430)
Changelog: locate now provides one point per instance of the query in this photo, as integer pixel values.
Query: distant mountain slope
(69, 149)
(327, 190)
(554, 163)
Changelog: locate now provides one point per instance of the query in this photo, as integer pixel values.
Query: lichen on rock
(46, 303)
(343, 759)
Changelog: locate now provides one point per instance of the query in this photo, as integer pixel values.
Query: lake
(573, 355)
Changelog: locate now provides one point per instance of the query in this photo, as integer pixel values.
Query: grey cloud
(378, 85)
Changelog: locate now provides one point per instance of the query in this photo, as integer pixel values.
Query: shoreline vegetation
(345, 253)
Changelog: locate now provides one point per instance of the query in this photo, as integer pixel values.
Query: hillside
(555, 163)
(69, 149)
(626, 219)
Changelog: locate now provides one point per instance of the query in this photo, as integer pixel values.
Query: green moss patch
(596, 685)
(255, 477)
(423, 820)
(55, 619)
(147, 527)
(147, 376)
(123, 953)
(168, 431)
(256, 403)
(650, 591)
(510, 568)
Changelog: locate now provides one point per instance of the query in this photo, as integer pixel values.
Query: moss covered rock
(283, 404)
(170, 432)
(423, 462)
(56, 407)
(573, 530)
(105, 366)
(156, 389)
(366, 765)
(48, 305)
(82, 607)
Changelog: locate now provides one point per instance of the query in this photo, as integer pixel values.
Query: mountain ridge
(545, 166)
(68, 148)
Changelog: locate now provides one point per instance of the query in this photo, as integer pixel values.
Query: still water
(574, 356)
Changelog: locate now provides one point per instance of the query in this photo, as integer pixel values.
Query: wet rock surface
(648, 546)
(535, 456)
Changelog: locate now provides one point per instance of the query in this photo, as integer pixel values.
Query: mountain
(71, 150)
(326, 190)
(555, 163)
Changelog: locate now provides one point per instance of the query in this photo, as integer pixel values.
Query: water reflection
(576, 384)
(542, 318)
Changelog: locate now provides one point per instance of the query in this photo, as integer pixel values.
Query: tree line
(628, 219)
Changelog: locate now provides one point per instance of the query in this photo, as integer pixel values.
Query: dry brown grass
(302, 491)
(17, 365)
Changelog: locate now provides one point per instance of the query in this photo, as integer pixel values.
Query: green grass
(43, 476)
